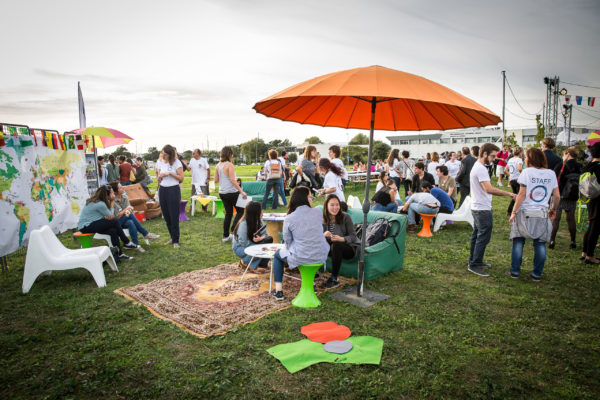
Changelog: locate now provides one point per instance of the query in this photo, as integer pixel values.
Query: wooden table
(274, 222)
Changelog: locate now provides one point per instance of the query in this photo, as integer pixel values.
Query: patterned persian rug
(212, 301)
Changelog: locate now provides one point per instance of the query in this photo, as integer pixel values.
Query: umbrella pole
(366, 207)
(96, 162)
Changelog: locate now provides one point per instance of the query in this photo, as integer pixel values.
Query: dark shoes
(124, 256)
(478, 270)
(551, 245)
(331, 283)
(514, 276)
(535, 278)
(573, 245)
(278, 295)
(131, 246)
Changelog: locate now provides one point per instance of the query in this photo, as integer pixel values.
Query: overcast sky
(182, 72)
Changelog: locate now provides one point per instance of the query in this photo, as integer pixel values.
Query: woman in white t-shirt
(453, 165)
(391, 166)
(170, 174)
(333, 179)
(432, 166)
(513, 170)
(531, 216)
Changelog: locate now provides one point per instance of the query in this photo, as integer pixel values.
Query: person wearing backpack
(274, 172)
(590, 238)
(568, 186)
(338, 230)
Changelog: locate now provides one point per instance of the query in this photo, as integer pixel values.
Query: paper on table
(241, 202)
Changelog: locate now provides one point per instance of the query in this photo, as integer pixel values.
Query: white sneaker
(226, 239)
(141, 249)
(152, 236)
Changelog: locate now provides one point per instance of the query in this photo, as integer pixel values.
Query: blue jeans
(272, 184)
(282, 191)
(539, 256)
(278, 267)
(482, 233)
(421, 209)
(391, 207)
(133, 225)
(239, 251)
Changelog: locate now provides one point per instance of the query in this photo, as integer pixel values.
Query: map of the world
(38, 186)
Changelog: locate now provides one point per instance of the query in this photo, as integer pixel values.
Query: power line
(519, 116)
(578, 84)
(514, 97)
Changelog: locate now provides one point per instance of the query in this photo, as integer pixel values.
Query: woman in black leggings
(593, 207)
(229, 190)
(339, 231)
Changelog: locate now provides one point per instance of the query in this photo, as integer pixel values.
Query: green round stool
(307, 298)
(85, 239)
(220, 209)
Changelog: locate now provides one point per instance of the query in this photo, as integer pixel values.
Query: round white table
(263, 251)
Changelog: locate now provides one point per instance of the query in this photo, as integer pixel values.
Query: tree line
(255, 150)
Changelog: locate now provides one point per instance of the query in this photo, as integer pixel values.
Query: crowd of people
(542, 186)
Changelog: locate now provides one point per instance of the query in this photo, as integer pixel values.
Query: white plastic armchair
(46, 253)
(462, 214)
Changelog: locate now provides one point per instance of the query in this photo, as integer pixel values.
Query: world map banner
(39, 185)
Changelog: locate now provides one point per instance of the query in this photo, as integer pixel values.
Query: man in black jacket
(419, 177)
(464, 174)
(553, 160)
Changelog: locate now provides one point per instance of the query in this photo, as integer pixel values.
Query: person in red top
(502, 156)
(124, 171)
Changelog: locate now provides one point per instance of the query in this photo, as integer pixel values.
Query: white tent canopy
(561, 138)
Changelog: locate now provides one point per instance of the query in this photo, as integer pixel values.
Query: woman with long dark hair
(114, 173)
(391, 166)
(302, 235)
(249, 231)
(570, 169)
(97, 217)
(229, 190)
(338, 230)
(308, 165)
(593, 208)
(333, 179)
(170, 175)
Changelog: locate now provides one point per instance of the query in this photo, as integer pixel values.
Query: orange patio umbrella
(372, 98)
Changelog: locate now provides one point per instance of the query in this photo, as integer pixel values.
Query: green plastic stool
(85, 239)
(307, 298)
(220, 209)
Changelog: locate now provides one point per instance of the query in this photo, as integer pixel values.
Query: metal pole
(569, 131)
(503, 104)
(366, 206)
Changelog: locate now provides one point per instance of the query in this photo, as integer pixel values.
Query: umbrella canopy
(104, 137)
(372, 98)
(593, 138)
(404, 102)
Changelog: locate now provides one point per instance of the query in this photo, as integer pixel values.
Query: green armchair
(383, 257)
(256, 190)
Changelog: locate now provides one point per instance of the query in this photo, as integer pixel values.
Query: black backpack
(571, 189)
(378, 231)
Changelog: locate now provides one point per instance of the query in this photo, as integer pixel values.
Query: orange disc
(324, 332)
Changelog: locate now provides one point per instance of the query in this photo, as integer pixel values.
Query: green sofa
(382, 257)
(256, 190)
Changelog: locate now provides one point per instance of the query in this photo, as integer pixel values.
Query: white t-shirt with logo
(513, 167)
(199, 171)
(540, 184)
(340, 164)
(453, 168)
(170, 180)
(481, 200)
(334, 181)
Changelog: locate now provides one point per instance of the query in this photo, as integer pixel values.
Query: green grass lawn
(447, 333)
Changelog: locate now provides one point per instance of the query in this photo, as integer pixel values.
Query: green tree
(188, 154)
(357, 153)
(541, 130)
(360, 139)
(380, 150)
(122, 151)
(152, 154)
(293, 157)
(254, 150)
(313, 140)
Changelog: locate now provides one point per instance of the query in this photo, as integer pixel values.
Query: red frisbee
(324, 332)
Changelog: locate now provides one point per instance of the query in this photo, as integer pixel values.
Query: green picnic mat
(304, 353)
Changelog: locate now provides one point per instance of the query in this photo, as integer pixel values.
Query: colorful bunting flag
(23, 130)
(12, 130)
(72, 142)
(578, 100)
(49, 139)
(26, 140)
(55, 141)
(591, 101)
(79, 142)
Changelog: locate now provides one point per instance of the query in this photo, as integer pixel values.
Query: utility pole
(256, 147)
(503, 105)
(568, 114)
